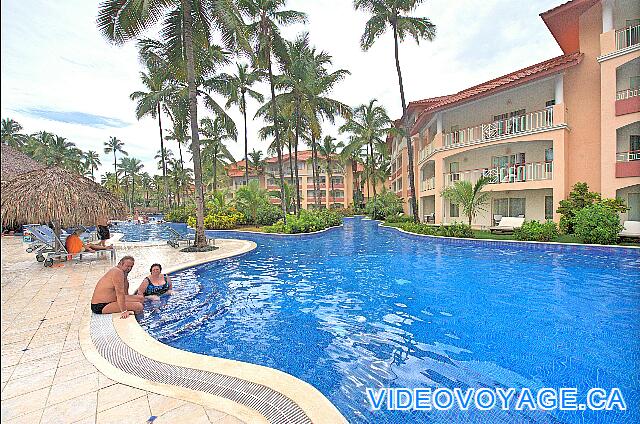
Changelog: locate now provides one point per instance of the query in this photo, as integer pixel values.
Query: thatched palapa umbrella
(59, 196)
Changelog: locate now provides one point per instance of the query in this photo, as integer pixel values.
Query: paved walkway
(45, 376)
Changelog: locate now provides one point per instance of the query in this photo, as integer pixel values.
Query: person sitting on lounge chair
(155, 284)
(74, 244)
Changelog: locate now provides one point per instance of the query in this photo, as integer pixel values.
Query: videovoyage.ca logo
(484, 399)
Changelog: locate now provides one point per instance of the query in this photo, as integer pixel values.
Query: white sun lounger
(507, 225)
(631, 229)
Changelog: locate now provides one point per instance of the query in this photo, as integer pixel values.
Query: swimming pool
(133, 232)
(364, 306)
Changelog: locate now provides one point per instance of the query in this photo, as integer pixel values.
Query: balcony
(522, 172)
(426, 151)
(509, 127)
(627, 37)
(428, 184)
(627, 101)
(628, 164)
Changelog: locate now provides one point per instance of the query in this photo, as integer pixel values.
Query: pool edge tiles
(301, 401)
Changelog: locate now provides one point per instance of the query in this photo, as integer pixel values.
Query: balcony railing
(505, 127)
(534, 171)
(428, 184)
(628, 156)
(628, 36)
(627, 94)
(426, 151)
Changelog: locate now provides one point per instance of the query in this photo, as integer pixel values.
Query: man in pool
(111, 293)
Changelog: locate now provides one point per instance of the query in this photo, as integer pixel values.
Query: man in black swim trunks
(111, 293)
(102, 228)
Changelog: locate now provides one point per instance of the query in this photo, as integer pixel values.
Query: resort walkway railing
(535, 171)
(627, 37)
(504, 127)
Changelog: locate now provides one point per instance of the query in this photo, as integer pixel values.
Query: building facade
(341, 180)
(537, 131)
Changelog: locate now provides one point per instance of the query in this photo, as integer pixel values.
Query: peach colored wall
(610, 123)
(582, 99)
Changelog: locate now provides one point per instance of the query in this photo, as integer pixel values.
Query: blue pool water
(133, 232)
(364, 306)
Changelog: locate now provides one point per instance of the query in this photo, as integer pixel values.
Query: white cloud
(54, 58)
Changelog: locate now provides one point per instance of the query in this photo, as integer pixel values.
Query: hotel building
(537, 131)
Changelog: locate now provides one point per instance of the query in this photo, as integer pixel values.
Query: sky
(58, 74)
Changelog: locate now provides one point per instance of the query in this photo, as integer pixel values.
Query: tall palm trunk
(412, 186)
(330, 176)
(215, 169)
(115, 167)
(298, 202)
(372, 171)
(246, 140)
(274, 112)
(164, 160)
(291, 166)
(316, 176)
(180, 150)
(367, 171)
(133, 189)
(200, 240)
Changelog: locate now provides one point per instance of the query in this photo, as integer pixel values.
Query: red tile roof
(302, 155)
(237, 169)
(563, 22)
(533, 72)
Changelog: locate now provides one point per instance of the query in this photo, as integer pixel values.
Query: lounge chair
(56, 249)
(507, 225)
(630, 229)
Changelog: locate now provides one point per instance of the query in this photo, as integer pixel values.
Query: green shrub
(579, 198)
(307, 222)
(597, 224)
(537, 231)
(268, 214)
(456, 230)
(180, 214)
(383, 205)
(394, 219)
(227, 220)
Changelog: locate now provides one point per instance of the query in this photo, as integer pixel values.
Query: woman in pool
(156, 284)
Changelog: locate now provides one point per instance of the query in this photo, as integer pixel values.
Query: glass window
(548, 154)
(548, 207)
(501, 207)
(634, 143)
(454, 210)
(517, 207)
(550, 103)
(634, 207)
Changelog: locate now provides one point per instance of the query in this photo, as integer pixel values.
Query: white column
(559, 89)
(607, 15)
(439, 123)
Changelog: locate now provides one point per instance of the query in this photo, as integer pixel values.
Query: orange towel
(74, 244)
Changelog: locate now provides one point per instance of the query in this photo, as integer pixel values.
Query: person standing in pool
(111, 293)
(155, 284)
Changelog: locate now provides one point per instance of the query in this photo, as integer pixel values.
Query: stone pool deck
(46, 377)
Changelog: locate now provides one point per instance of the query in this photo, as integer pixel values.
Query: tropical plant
(537, 231)
(469, 196)
(256, 162)
(392, 13)
(597, 224)
(368, 129)
(114, 146)
(579, 198)
(306, 222)
(236, 88)
(92, 162)
(265, 17)
(186, 23)
(328, 154)
(149, 103)
(214, 148)
(250, 198)
(385, 204)
(11, 133)
(130, 167)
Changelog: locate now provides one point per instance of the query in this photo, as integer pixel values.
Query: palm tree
(251, 198)
(131, 167)
(121, 21)
(11, 133)
(214, 149)
(236, 88)
(92, 162)
(266, 16)
(114, 145)
(392, 13)
(328, 152)
(156, 82)
(368, 129)
(469, 196)
(163, 157)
